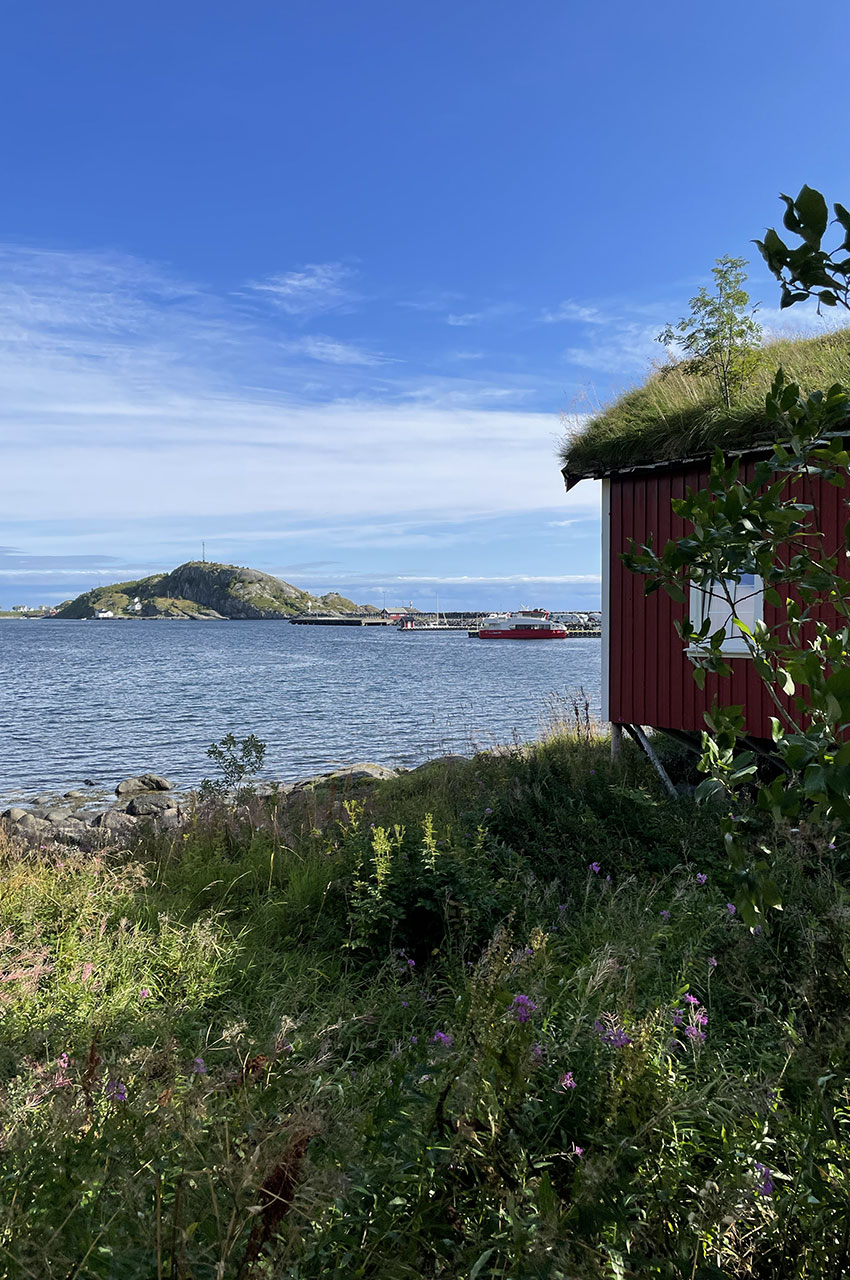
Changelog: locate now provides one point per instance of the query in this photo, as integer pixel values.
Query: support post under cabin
(616, 741)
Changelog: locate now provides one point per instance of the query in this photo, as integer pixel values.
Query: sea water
(103, 699)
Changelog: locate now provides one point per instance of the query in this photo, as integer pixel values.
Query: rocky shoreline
(79, 818)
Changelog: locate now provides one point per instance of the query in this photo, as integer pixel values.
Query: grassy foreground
(491, 1019)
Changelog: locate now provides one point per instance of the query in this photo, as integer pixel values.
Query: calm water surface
(103, 699)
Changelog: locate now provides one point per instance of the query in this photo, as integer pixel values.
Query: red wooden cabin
(647, 674)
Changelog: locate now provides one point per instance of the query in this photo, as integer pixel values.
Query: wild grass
(676, 413)
(492, 1018)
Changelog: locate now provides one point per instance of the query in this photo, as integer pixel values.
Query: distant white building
(104, 613)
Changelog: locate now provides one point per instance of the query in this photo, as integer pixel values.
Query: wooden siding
(650, 675)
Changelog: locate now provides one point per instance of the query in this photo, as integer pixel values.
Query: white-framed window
(711, 602)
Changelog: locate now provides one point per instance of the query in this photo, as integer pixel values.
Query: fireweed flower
(678, 1017)
(576, 1151)
(442, 1037)
(566, 1081)
(116, 1091)
(695, 1034)
(522, 1008)
(612, 1036)
(691, 999)
(765, 1184)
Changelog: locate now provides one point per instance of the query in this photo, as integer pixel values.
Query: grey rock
(168, 819)
(148, 806)
(71, 832)
(143, 782)
(114, 823)
(30, 825)
(362, 772)
(449, 762)
(44, 799)
(75, 795)
(58, 815)
(15, 814)
(89, 782)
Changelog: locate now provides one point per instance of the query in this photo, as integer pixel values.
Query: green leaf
(813, 214)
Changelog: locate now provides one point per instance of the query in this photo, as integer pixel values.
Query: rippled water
(102, 700)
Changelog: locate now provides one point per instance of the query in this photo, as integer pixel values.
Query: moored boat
(522, 624)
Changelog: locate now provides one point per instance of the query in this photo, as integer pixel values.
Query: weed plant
(493, 1018)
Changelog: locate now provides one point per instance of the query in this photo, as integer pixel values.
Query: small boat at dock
(522, 624)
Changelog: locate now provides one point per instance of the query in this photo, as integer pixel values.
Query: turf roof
(675, 414)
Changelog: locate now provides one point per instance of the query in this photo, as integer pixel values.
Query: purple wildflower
(414, 1039)
(537, 1053)
(702, 1019)
(488, 810)
(595, 868)
(576, 1151)
(712, 963)
(144, 993)
(613, 1036)
(522, 1008)
(199, 1067)
(691, 999)
(678, 1017)
(702, 878)
(665, 915)
(405, 1004)
(442, 1037)
(765, 1186)
(529, 951)
(566, 1081)
(411, 964)
(731, 908)
(696, 1034)
(116, 1091)
(562, 906)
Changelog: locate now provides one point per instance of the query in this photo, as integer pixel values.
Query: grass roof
(677, 414)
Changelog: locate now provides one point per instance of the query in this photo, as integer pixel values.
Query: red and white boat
(522, 624)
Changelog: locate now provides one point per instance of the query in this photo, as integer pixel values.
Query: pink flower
(566, 1081)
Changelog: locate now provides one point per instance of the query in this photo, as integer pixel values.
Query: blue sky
(316, 283)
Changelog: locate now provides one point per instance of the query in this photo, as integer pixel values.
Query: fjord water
(103, 699)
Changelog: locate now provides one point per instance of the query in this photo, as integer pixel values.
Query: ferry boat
(522, 624)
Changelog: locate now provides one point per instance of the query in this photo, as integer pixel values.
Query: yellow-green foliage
(676, 413)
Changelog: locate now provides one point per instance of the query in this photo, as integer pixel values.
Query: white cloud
(576, 311)
(460, 321)
(316, 288)
(331, 351)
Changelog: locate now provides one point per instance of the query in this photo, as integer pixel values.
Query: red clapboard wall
(650, 675)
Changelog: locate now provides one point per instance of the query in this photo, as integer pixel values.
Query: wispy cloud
(312, 290)
(574, 311)
(332, 351)
(461, 321)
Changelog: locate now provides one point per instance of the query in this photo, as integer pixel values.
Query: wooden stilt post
(616, 741)
(641, 739)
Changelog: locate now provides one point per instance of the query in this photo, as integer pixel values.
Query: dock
(585, 625)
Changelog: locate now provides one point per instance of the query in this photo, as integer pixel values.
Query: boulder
(143, 782)
(14, 814)
(30, 825)
(58, 815)
(75, 795)
(74, 831)
(362, 772)
(150, 806)
(114, 823)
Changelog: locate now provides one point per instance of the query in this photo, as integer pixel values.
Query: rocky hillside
(202, 590)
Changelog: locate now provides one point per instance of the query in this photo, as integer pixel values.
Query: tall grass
(492, 1018)
(676, 413)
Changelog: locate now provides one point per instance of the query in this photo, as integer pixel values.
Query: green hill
(203, 590)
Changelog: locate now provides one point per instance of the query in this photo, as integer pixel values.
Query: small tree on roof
(721, 334)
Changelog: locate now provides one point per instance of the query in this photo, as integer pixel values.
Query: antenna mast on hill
(203, 553)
